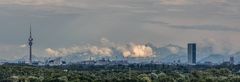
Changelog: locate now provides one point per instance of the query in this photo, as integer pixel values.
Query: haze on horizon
(60, 24)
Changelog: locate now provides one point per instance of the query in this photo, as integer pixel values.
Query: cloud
(101, 51)
(92, 50)
(130, 50)
(120, 20)
(63, 51)
(138, 50)
(33, 2)
(173, 49)
(23, 46)
(174, 2)
(206, 27)
(187, 2)
(52, 52)
(215, 46)
(106, 42)
(10, 51)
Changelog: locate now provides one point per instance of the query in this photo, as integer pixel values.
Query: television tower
(30, 42)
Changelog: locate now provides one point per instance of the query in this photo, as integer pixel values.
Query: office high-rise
(231, 60)
(192, 51)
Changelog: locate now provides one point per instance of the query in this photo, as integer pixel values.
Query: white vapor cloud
(101, 51)
(130, 50)
(23, 46)
(137, 50)
(52, 52)
(173, 49)
(92, 50)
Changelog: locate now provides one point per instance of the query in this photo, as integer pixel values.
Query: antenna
(30, 30)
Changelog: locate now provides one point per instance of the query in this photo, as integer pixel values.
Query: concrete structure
(104, 61)
(192, 51)
(55, 62)
(30, 42)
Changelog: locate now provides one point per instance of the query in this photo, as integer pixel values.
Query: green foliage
(144, 78)
(15, 73)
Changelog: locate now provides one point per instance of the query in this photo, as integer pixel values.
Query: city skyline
(119, 41)
(59, 24)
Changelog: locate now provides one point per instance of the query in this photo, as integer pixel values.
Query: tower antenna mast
(30, 43)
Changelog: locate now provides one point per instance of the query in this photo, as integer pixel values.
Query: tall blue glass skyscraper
(192, 51)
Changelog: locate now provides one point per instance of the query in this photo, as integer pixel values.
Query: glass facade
(192, 51)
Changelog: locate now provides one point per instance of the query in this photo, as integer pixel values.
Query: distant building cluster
(191, 59)
(104, 61)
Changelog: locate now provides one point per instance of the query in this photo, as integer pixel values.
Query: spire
(30, 35)
(30, 30)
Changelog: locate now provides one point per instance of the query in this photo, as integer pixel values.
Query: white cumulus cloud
(137, 50)
(23, 46)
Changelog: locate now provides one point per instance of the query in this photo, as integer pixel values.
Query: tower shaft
(30, 54)
(30, 42)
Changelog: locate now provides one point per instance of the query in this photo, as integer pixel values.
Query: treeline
(74, 73)
(146, 67)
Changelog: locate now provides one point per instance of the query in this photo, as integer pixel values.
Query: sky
(60, 24)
